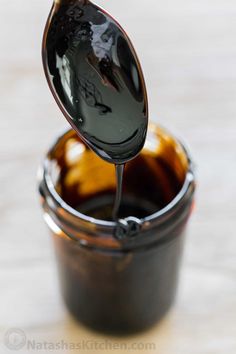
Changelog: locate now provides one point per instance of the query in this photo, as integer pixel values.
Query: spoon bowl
(96, 78)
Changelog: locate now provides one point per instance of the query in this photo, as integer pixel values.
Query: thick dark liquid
(103, 208)
(119, 182)
(96, 79)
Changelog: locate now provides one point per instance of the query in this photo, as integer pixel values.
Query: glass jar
(118, 277)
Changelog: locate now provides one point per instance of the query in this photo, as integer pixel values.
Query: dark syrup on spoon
(96, 79)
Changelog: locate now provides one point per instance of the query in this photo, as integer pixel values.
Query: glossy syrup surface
(96, 79)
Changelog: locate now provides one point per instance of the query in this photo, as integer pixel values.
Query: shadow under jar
(113, 280)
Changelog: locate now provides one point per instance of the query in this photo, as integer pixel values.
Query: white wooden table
(188, 52)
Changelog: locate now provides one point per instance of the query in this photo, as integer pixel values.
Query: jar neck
(106, 235)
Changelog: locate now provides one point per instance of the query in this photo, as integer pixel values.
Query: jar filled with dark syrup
(115, 280)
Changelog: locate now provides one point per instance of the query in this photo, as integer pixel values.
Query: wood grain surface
(188, 52)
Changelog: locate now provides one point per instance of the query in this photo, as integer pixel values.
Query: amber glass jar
(118, 277)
